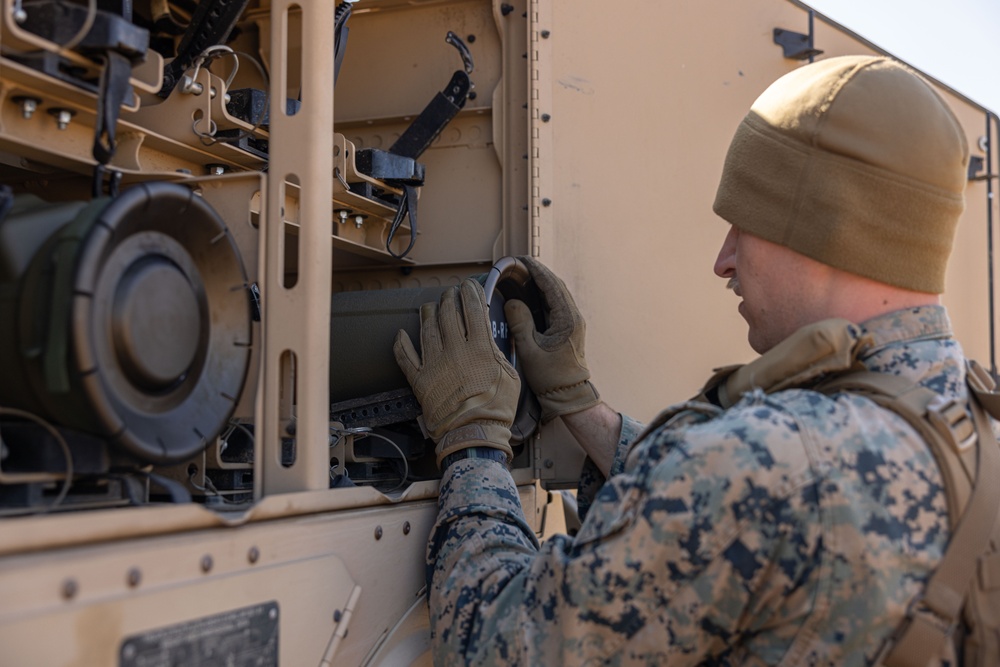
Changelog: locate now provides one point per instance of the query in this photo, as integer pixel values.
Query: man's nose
(725, 263)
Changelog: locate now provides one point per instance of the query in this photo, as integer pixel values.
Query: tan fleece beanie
(856, 162)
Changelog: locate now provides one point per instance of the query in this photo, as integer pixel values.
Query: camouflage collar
(907, 325)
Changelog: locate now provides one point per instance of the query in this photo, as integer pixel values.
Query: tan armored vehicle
(214, 216)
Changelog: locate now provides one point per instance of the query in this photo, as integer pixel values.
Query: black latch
(389, 167)
(211, 24)
(251, 106)
(442, 108)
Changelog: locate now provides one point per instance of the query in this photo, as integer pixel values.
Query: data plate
(246, 637)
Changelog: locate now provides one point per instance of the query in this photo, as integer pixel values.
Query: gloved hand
(467, 389)
(553, 360)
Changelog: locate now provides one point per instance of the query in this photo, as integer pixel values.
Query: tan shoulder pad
(828, 346)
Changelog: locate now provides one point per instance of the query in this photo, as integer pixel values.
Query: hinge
(342, 618)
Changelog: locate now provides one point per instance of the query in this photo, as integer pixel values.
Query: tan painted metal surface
(642, 110)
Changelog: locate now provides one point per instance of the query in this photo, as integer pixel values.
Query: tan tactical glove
(467, 389)
(553, 361)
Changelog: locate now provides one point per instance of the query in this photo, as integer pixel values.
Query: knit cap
(855, 162)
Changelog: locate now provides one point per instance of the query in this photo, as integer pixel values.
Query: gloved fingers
(558, 300)
(450, 319)
(406, 356)
(474, 311)
(521, 323)
(430, 332)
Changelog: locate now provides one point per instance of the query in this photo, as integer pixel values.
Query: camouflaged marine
(790, 527)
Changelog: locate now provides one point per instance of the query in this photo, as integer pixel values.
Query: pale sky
(956, 42)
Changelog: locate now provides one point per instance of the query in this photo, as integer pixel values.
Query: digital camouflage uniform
(792, 528)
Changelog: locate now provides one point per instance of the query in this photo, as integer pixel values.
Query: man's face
(781, 289)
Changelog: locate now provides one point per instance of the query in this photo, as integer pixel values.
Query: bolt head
(378, 532)
(28, 107)
(62, 116)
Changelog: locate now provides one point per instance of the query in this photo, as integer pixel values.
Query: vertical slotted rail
(293, 419)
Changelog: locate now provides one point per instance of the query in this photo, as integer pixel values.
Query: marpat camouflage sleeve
(722, 539)
(591, 477)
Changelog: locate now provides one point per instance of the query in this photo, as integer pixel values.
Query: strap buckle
(951, 419)
(930, 628)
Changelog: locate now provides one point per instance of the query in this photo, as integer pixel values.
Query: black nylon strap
(408, 206)
(113, 88)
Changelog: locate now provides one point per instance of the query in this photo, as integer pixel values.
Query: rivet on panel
(546, 202)
(545, 34)
(70, 588)
(253, 555)
(206, 563)
(337, 616)
(546, 117)
(133, 577)
(406, 528)
(378, 532)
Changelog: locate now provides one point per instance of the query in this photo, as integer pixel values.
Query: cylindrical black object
(364, 324)
(127, 318)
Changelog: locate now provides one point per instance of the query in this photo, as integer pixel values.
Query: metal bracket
(977, 164)
(795, 44)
